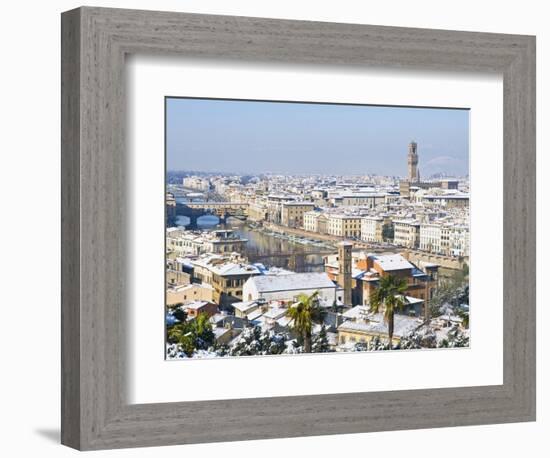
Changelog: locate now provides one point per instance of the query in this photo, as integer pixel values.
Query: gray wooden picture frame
(95, 41)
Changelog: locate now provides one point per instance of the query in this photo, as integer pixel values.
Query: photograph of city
(297, 228)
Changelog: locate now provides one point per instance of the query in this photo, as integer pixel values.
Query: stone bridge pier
(223, 210)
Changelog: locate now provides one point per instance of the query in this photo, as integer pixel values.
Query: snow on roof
(235, 269)
(275, 313)
(195, 305)
(284, 321)
(181, 288)
(277, 271)
(260, 266)
(411, 222)
(255, 314)
(390, 262)
(359, 311)
(449, 196)
(413, 300)
(217, 318)
(292, 282)
(244, 306)
(375, 324)
(299, 203)
(219, 332)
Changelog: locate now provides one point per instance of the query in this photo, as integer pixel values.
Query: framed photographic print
(280, 228)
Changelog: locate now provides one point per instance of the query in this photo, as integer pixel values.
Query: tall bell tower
(412, 162)
(344, 272)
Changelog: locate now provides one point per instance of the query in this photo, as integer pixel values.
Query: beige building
(176, 277)
(448, 200)
(459, 240)
(431, 237)
(315, 221)
(292, 213)
(258, 211)
(367, 326)
(344, 225)
(371, 228)
(370, 200)
(226, 274)
(189, 293)
(182, 243)
(228, 281)
(445, 239)
(197, 183)
(406, 233)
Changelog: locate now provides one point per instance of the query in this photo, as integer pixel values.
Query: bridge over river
(223, 210)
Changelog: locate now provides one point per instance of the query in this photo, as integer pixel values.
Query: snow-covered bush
(254, 341)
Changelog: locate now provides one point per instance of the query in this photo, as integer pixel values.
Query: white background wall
(29, 186)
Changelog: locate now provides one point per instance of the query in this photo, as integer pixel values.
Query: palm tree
(390, 294)
(304, 313)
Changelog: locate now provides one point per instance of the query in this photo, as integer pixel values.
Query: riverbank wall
(415, 256)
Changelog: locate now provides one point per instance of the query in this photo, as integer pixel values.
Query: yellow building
(344, 225)
(189, 293)
(292, 213)
(258, 211)
(316, 221)
(369, 326)
(228, 280)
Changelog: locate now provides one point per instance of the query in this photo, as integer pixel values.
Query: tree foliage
(304, 314)
(320, 342)
(254, 341)
(390, 294)
(455, 338)
(191, 335)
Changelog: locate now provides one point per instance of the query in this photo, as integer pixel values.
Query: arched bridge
(222, 210)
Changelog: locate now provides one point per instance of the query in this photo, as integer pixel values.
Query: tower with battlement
(412, 163)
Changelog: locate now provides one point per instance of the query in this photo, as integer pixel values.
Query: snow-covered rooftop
(254, 315)
(291, 282)
(235, 269)
(390, 262)
(375, 324)
(359, 311)
(244, 306)
(195, 305)
(275, 313)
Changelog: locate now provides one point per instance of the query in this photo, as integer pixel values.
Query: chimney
(344, 271)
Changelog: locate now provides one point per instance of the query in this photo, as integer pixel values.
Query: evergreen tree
(455, 338)
(253, 341)
(320, 343)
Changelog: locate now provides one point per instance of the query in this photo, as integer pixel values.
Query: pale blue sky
(254, 137)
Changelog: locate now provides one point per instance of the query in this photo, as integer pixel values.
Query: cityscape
(273, 260)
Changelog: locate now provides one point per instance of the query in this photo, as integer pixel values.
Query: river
(268, 249)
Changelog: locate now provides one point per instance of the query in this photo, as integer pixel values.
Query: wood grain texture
(70, 229)
(95, 412)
